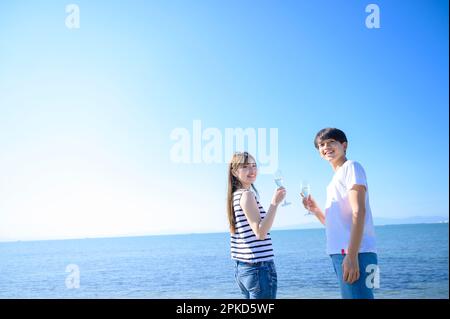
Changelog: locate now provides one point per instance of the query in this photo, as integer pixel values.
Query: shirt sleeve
(355, 175)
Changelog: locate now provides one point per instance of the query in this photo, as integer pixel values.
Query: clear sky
(87, 114)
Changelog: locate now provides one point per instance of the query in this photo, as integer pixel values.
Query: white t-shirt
(338, 212)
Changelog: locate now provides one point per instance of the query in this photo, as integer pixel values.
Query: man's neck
(338, 163)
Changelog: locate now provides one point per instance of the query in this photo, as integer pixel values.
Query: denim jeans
(368, 276)
(257, 280)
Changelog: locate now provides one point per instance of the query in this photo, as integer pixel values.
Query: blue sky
(86, 114)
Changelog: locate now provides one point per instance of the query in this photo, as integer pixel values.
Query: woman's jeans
(368, 276)
(257, 280)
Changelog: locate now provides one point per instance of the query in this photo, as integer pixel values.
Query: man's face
(332, 150)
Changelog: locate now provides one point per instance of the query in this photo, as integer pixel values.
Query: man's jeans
(368, 276)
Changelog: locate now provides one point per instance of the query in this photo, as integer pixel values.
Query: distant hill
(379, 221)
(411, 220)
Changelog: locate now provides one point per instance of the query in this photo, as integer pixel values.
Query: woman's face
(247, 173)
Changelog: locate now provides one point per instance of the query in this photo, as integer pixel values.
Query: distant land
(380, 221)
(411, 220)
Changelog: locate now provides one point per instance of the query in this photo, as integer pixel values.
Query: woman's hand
(278, 196)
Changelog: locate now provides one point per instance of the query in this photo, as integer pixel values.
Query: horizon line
(281, 228)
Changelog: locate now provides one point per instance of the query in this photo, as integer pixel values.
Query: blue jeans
(368, 276)
(257, 280)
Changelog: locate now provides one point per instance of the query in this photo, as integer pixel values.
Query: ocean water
(413, 262)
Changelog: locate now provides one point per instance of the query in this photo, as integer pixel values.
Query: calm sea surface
(413, 262)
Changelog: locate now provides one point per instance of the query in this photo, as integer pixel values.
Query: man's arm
(357, 199)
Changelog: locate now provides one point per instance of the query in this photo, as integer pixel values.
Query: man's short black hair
(329, 133)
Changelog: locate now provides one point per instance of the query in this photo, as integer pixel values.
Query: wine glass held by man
(305, 191)
(311, 205)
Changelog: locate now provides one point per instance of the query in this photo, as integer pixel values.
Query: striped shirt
(244, 245)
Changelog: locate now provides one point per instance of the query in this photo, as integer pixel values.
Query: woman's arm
(260, 226)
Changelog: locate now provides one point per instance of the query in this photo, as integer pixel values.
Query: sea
(413, 263)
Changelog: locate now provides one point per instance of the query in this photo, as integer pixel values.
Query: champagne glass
(278, 178)
(306, 191)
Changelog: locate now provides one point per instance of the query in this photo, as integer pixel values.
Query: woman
(251, 245)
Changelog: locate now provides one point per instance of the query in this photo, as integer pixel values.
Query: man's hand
(350, 269)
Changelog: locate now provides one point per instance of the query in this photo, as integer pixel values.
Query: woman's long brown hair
(238, 160)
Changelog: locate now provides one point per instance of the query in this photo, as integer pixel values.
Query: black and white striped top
(244, 245)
